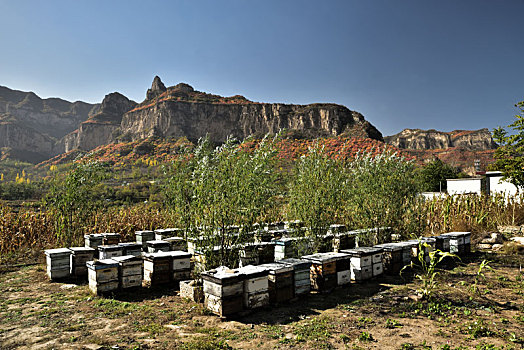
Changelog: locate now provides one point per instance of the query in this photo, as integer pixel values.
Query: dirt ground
(385, 313)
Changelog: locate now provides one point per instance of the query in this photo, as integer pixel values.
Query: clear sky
(442, 64)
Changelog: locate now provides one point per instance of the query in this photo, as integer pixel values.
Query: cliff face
(30, 125)
(182, 111)
(417, 139)
(99, 128)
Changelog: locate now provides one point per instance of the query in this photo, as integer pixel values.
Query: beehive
(343, 267)
(325, 243)
(131, 248)
(58, 263)
(344, 240)
(181, 265)
(280, 282)
(291, 247)
(79, 257)
(164, 233)
(336, 229)
(323, 272)
(223, 291)
(129, 271)
(392, 258)
(256, 286)
(248, 254)
(109, 251)
(157, 246)
(110, 238)
(442, 243)
(407, 252)
(176, 243)
(102, 275)
(293, 225)
(158, 268)
(366, 262)
(279, 225)
(459, 242)
(143, 236)
(301, 275)
(93, 241)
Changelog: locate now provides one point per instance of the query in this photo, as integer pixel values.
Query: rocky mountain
(100, 128)
(30, 126)
(416, 139)
(182, 111)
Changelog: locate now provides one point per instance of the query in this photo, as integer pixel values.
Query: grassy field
(381, 314)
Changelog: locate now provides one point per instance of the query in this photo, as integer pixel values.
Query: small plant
(364, 321)
(390, 324)
(478, 329)
(365, 336)
(480, 274)
(428, 268)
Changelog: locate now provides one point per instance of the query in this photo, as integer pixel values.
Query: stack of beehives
(58, 263)
(256, 285)
(280, 282)
(79, 257)
(223, 290)
(129, 271)
(102, 275)
(301, 275)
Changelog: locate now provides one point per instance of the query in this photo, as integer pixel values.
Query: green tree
(316, 192)
(72, 200)
(433, 175)
(509, 156)
(215, 189)
(382, 192)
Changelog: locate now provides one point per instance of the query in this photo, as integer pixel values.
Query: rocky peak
(183, 87)
(417, 139)
(156, 88)
(116, 104)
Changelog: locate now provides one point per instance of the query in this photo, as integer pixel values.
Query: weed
(318, 329)
(390, 324)
(480, 274)
(365, 336)
(364, 322)
(478, 329)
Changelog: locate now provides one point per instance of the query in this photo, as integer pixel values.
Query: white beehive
(129, 271)
(58, 263)
(79, 257)
(102, 275)
(256, 286)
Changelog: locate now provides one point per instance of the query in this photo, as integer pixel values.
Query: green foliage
(219, 188)
(381, 192)
(433, 175)
(316, 191)
(72, 201)
(509, 156)
(427, 263)
(480, 274)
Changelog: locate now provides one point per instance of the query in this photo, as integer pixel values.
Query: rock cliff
(101, 127)
(476, 140)
(30, 125)
(181, 111)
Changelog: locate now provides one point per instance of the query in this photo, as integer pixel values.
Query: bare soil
(385, 313)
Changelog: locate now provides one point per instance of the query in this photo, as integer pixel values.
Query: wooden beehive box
(280, 282)
(344, 240)
(79, 257)
(143, 236)
(256, 286)
(58, 263)
(131, 248)
(192, 290)
(442, 243)
(93, 241)
(181, 265)
(301, 274)
(157, 246)
(129, 271)
(366, 262)
(323, 272)
(158, 268)
(176, 243)
(164, 233)
(110, 238)
(102, 275)
(392, 258)
(223, 291)
(109, 251)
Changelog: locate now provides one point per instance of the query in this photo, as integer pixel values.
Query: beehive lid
(109, 247)
(287, 240)
(102, 264)
(158, 255)
(82, 250)
(222, 275)
(94, 236)
(428, 239)
(111, 234)
(179, 254)
(298, 264)
(457, 234)
(57, 251)
(276, 268)
(126, 258)
(251, 271)
(362, 251)
(174, 239)
(390, 247)
(442, 238)
(142, 233)
(320, 258)
(157, 242)
(130, 245)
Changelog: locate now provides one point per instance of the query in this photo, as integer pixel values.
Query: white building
(495, 184)
(465, 186)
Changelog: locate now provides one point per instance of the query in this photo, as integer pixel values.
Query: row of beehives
(228, 291)
(118, 272)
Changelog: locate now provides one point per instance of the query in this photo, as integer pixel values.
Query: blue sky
(443, 64)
